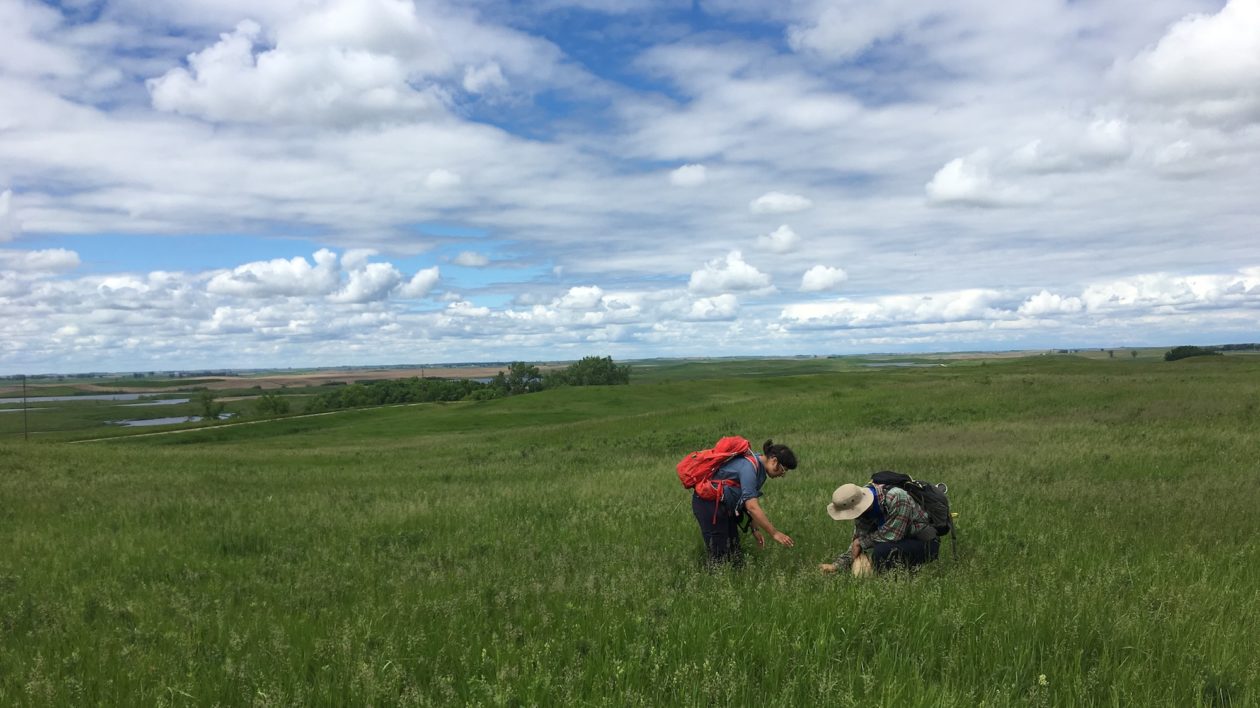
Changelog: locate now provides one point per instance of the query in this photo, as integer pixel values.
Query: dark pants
(909, 552)
(721, 534)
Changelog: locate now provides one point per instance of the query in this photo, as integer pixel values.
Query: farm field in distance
(77, 415)
(261, 381)
(68, 407)
(538, 549)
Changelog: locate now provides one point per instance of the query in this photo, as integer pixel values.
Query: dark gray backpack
(932, 498)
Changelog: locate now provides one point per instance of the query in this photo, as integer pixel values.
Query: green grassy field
(538, 550)
(70, 420)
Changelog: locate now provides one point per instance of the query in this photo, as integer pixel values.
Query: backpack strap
(752, 458)
(721, 485)
(879, 513)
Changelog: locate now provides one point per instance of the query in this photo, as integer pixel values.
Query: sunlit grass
(539, 551)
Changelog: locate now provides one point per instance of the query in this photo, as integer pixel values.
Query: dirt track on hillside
(220, 426)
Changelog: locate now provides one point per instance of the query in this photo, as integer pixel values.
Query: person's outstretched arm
(761, 521)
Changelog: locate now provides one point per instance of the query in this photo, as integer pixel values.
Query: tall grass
(538, 550)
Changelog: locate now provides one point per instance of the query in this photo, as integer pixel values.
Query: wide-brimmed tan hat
(849, 501)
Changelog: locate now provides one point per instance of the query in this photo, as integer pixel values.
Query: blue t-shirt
(750, 477)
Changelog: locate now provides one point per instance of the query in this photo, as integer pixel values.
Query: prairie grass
(69, 420)
(538, 550)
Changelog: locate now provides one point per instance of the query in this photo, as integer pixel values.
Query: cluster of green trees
(210, 408)
(590, 371)
(1186, 352)
(381, 393)
(271, 404)
(518, 378)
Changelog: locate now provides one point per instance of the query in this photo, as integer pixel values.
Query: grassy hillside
(538, 550)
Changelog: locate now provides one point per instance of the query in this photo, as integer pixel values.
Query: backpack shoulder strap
(879, 511)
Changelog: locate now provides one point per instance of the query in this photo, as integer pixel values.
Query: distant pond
(164, 421)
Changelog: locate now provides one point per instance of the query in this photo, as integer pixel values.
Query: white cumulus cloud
(464, 308)
(843, 30)
(369, 283)
(779, 203)
(781, 240)
(356, 258)
(730, 274)
(689, 176)
(955, 306)
(480, 79)
(317, 72)
(420, 284)
(53, 260)
(1101, 143)
(23, 27)
(1047, 303)
(346, 63)
(440, 179)
(581, 298)
(471, 259)
(1107, 139)
(8, 219)
(1161, 290)
(1137, 298)
(1207, 66)
(719, 307)
(967, 181)
(281, 277)
(821, 278)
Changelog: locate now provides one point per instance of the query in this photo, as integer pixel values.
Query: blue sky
(336, 182)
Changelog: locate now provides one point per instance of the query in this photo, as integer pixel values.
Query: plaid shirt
(902, 519)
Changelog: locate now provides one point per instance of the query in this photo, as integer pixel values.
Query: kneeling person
(889, 528)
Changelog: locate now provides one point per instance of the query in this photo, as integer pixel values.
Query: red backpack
(695, 471)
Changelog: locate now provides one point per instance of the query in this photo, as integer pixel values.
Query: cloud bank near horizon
(331, 301)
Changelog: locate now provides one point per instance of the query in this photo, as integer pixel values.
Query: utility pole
(26, 435)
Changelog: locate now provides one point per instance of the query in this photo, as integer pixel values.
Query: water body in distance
(165, 421)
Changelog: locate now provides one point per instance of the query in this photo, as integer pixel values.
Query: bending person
(719, 521)
(889, 528)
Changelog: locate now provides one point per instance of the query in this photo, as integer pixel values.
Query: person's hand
(761, 540)
(784, 539)
(855, 548)
(828, 567)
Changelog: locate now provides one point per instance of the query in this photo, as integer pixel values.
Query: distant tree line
(518, 378)
(270, 405)
(590, 371)
(383, 393)
(1187, 351)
